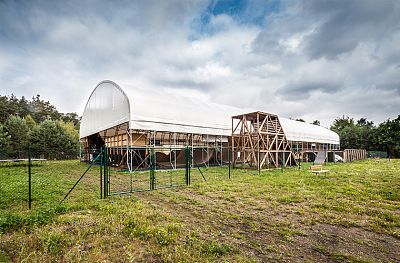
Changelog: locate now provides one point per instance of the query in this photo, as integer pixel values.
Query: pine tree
(18, 131)
(30, 122)
(5, 146)
(52, 140)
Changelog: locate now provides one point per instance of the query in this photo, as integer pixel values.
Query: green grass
(352, 214)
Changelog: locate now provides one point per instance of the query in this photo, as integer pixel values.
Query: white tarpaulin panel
(153, 110)
(156, 110)
(304, 132)
(167, 111)
(107, 107)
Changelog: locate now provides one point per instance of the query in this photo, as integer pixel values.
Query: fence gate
(136, 169)
(133, 169)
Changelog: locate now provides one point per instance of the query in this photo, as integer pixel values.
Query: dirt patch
(339, 243)
(274, 233)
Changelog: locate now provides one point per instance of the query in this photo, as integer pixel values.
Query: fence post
(152, 170)
(101, 173)
(105, 163)
(229, 162)
(187, 165)
(29, 178)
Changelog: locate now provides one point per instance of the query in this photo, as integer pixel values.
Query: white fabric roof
(301, 131)
(110, 105)
(107, 107)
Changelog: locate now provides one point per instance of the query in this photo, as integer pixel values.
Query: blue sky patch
(250, 13)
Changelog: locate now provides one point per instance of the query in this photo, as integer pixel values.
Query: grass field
(352, 214)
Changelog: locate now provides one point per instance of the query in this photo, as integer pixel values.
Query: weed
(349, 258)
(3, 257)
(206, 222)
(14, 221)
(53, 242)
(215, 248)
(320, 249)
(143, 230)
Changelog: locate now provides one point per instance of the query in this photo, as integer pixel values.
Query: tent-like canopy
(304, 132)
(154, 110)
(110, 105)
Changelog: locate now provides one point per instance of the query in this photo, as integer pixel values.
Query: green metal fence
(161, 167)
(157, 168)
(18, 173)
(377, 154)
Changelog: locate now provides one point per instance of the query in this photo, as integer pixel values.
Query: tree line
(363, 134)
(35, 125)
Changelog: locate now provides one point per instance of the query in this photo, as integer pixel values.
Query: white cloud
(288, 64)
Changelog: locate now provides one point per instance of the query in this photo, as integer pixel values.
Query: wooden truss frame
(126, 147)
(258, 140)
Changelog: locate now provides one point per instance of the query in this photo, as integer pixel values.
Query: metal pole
(298, 154)
(80, 178)
(101, 174)
(191, 163)
(221, 156)
(186, 167)
(108, 182)
(29, 179)
(175, 150)
(131, 166)
(187, 162)
(152, 168)
(229, 163)
(105, 163)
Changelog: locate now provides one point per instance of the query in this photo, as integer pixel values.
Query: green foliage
(3, 257)
(18, 130)
(38, 109)
(71, 117)
(30, 121)
(387, 137)
(354, 135)
(13, 106)
(53, 242)
(340, 123)
(5, 142)
(214, 248)
(256, 217)
(69, 128)
(37, 122)
(144, 229)
(345, 127)
(15, 221)
(54, 139)
(42, 110)
(364, 135)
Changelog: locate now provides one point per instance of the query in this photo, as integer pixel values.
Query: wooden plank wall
(121, 140)
(350, 155)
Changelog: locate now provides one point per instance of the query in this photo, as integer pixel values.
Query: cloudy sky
(301, 59)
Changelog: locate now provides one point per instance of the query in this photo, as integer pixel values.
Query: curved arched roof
(110, 105)
(160, 110)
(107, 106)
(304, 132)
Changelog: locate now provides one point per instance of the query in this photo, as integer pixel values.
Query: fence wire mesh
(132, 169)
(46, 179)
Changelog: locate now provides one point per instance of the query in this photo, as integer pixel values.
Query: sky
(313, 59)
